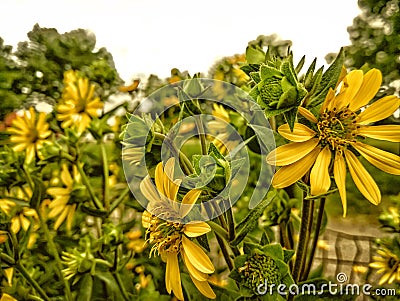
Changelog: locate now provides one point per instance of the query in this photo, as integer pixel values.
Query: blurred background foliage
(33, 73)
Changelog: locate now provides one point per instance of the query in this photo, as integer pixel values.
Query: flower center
(165, 236)
(337, 128)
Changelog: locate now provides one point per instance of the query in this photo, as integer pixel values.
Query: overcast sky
(153, 36)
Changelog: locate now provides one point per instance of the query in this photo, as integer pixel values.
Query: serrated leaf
(250, 221)
(329, 80)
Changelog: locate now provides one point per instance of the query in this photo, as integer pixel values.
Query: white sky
(154, 36)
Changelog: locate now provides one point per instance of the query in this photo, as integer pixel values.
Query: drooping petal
(292, 152)
(192, 270)
(204, 288)
(148, 190)
(379, 110)
(173, 276)
(319, 176)
(339, 173)
(197, 256)
(300, 132)
(363, 180)
(372, 81)
(188, 201)
(66, 176)
(290, 174)
(307, 114)
(61, 218)
(385, 161)
(389, 132)
(15, 224)
(196, 229)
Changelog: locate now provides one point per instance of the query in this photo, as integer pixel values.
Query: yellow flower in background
(221, 130)
(7, 297)
(78, 104)
(136, 243)
(387, 264)
(29, 132)
(60, 207)
(170, 239)
(21, 216)
(333, 138)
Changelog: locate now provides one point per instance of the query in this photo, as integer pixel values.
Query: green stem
(121, 286)
(218, 230)
(118, 201)
(106, 184)
(187, 166)
(89, 187)
(54, 252)
(31, 281)
(225, 252)
(200, 129)
(302, 244)
(315, 238)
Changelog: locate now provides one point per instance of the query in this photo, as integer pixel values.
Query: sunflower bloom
(61, 207)
(171, 239)
(387, 264)
(22, 217)
(78, 105)
(29, 132)
(334, 136)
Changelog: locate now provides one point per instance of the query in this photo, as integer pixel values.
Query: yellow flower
(387, 263)
(29, 133)
(136, 243)
(223, 134)
(61, 207)
(333, 138)
(7, 297)
(169, 236)
(78, 104)
(21, 216)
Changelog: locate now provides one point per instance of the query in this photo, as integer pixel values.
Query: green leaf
(329, 80)
(255, 55)
(85, 288)
(251, 220)
(300, 64)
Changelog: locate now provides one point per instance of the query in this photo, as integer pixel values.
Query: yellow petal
(197, 256)
(196, 229)
(339, 173)
(385, 161)
(170, 187)
(173, 276)
(148, 190)
(9, 275)
(146, 219)
(159, 178)
(290, 153)
(363, 180)
(307, 114)
(25, 223)
(372, 81)
(351, 86)
(300, 132)
(290, 174)
(188, 201)
(328, 102)
(319, 176)
(61, 218)
(192, 270)
(15, 224)
(70, 216)
(204, 288)
(30, 153)
(387, 132)
(379, 110)
(7, 297)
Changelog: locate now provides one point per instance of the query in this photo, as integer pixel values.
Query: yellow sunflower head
(330, 144)
(387, 264)
(29, 132)
(168, 234)
(78, 104)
